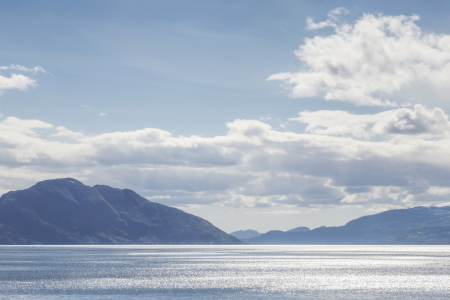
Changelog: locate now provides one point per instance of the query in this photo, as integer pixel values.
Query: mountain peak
(65, 211)
(67, 180)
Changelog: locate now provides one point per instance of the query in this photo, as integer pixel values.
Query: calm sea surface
(224, 272)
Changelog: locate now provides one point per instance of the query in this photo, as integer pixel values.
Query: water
(224, 272)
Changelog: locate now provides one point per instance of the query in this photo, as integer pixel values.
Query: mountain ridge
(392, 226)
(245, 234)
(65, 211)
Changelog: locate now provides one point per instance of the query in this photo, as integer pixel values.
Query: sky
(264, 115)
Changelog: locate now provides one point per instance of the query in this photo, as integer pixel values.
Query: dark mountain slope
(168, 225)
(65, 211)
(422, 236)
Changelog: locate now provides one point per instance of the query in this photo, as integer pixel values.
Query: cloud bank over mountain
(253, 165)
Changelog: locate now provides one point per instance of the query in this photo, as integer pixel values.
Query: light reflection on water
(224, 272)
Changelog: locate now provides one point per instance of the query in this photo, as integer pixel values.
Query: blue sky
(187, 67)
(171, 99)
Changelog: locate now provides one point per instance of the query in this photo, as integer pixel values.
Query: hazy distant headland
(65, 211)
(413, 226)
(250, 233)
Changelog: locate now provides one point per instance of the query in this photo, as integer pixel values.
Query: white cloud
(18, 81)
(35, 70)
(402, 121)
(332, 20)
(62, 131)
(366, 61)
(253, 165)
(101, 114)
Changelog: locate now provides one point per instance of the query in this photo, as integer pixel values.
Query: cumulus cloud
(402, 121)
(365, 62)
(253, 165)
(18, 81)
(62, 131)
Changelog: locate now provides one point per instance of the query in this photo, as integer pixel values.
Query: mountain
(245, 234)
(299, 229)
(422, 236)
(65, 211)
(248, 234)
(385, 227)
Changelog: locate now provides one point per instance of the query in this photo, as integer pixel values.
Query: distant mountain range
(418, 225)
(299, 229)
(65, 211)
(249, 233)
(245, 234)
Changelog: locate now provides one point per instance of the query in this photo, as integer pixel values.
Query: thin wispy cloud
(35, 70)
(332, 21)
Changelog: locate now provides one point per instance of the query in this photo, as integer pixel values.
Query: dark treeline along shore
(65, 211)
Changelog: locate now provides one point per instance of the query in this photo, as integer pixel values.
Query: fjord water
(224, 272)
